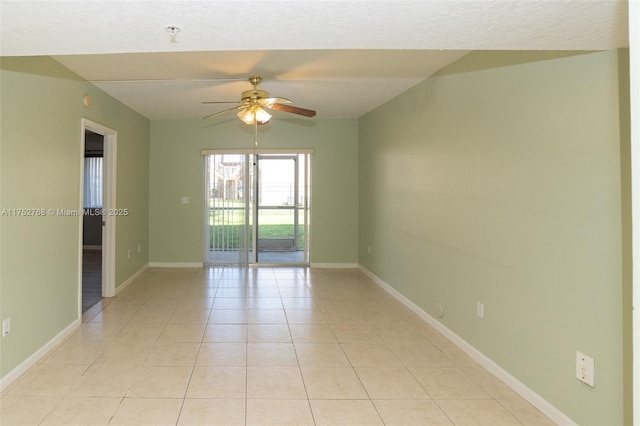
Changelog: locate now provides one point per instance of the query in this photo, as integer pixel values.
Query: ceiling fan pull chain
(255, 140)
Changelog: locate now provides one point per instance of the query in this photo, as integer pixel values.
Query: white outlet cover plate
(585, 369)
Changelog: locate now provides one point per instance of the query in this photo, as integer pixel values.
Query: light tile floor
(260, 346)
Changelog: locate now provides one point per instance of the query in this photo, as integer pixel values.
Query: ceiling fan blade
(293, 110)
(221, 102)
(215, 114)
(275, 100)
(162, 80)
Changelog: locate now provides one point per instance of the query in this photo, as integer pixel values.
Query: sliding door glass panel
(280, 232)
(227, 209)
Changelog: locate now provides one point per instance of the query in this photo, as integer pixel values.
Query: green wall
(499, 180)
(177, 170)
(40, 141)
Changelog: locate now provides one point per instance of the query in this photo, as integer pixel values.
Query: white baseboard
(131, 279)
(335, 265)
(523, 390)
(175, 264)
(25, 365)
(200, 265)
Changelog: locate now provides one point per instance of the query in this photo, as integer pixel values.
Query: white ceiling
(340, 58)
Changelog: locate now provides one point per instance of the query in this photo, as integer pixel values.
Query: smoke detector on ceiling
(173, 31)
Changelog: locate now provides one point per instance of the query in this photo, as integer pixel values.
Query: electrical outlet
(480, 310)
(6, 327)
(129, 254)
(185, 200)
(585, 369)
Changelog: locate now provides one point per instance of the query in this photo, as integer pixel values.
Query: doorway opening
(96, 273)
(257, 208)
(93, 189)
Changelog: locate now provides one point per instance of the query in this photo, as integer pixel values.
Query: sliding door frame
(251, 211)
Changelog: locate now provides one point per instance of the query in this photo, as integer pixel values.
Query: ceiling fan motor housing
(249, 95)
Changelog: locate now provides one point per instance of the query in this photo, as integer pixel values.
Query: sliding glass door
(257, 209)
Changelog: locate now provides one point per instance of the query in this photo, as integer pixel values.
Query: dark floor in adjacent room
(91, 277)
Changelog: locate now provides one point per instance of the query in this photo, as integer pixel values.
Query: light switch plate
(6, 327)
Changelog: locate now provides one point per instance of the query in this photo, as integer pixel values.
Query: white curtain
(93, 182)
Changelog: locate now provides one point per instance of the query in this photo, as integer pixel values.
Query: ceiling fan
(254, 102)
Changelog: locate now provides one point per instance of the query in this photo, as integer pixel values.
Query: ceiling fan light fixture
(262, 116)
(250, 115)
(247, 116)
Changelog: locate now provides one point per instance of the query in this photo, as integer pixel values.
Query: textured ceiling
(341, 58)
